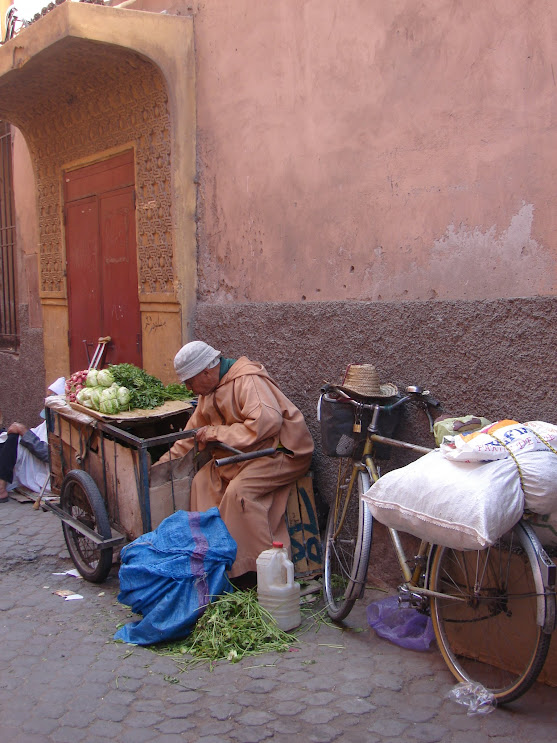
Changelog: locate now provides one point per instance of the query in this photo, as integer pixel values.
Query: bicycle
(474, 598)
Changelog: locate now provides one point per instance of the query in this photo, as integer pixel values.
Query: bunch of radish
(74, 384)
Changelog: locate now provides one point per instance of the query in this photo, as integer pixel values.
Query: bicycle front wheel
(348, 542)
(486, 625)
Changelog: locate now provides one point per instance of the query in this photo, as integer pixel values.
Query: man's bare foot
(4, 496)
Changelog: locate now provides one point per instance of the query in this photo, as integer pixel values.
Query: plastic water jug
(276, 589)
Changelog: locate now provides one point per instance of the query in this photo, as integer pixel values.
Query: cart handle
(243, 456)
(237, 455)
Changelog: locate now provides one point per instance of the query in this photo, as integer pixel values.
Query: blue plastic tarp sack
(402, 625)
(169, 575)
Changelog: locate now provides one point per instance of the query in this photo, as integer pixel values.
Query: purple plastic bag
(402, 625)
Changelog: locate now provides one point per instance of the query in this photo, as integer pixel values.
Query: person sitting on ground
(24, 454)
(240, 405)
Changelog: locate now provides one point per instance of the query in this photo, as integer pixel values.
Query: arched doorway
(85, 84)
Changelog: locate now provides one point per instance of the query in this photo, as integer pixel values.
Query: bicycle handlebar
(414, 393)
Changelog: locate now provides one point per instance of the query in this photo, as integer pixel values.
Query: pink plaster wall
(375, 150)
(372, 150)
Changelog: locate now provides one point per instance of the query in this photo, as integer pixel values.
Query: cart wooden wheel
(81, 499)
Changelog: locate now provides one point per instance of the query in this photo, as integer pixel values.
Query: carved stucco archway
(82, 84)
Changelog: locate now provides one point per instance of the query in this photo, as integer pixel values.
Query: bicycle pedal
(409, 598)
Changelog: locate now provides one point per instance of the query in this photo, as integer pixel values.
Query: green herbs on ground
(233, 626)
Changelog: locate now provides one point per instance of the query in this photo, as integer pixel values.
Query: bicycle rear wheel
(347, 543)
(486, 626)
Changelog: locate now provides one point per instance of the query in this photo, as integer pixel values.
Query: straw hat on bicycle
(363, 380)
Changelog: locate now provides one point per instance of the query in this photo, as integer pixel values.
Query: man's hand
(201, 436)
(18, 428)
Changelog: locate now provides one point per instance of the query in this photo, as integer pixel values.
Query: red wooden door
(101, 258)
(84, 290)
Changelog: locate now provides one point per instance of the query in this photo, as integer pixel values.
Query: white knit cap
(192, 358)
(58, 386)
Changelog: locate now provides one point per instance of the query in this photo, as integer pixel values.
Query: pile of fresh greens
(233, 626)
(146, 391)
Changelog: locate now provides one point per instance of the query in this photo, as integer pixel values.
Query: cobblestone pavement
(62, 678)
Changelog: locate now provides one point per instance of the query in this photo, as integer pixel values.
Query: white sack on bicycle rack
(539, 478)
(464, 505)
(499, 440)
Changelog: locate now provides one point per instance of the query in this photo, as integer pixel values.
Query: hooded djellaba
(240, 405)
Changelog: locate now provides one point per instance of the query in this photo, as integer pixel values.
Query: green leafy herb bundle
(146, 391)
(233, 626)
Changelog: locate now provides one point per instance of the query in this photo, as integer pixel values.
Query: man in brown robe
(240, 405)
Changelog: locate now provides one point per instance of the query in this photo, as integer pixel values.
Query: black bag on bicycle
(344, 427)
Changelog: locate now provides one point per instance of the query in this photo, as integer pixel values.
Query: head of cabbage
(109, 393)
(105, 378)
(83, 397)
(123, 396)
(109, 406)
(95, 397)
(91, 379)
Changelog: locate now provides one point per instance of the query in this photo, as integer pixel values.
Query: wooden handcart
(110, 492)
(100, 468)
